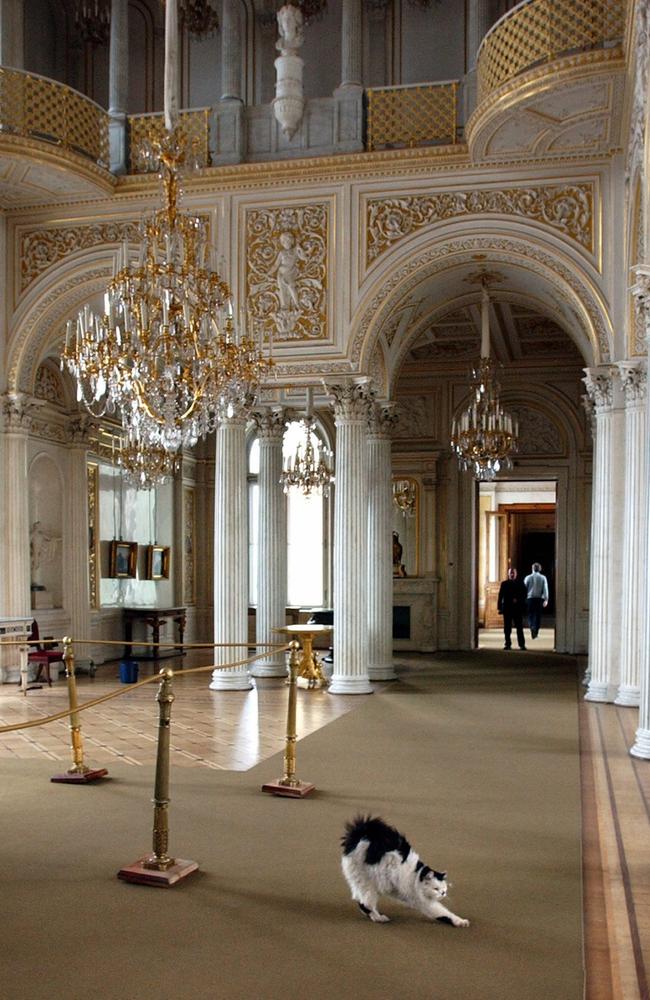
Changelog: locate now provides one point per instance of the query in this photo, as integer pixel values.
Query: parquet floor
(235, 730)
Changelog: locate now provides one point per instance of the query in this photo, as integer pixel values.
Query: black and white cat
(378, 861)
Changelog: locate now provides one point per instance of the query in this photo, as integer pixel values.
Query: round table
(310, 674)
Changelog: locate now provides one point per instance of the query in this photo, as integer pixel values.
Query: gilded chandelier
(304, 471)
(145, 468)
(484, 436)
(165, 353)
(404, 493)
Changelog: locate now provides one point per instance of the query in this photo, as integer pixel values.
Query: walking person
(511, 603)
(536, 597)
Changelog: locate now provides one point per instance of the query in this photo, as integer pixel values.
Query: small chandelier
(304, 471)
(93, 21)
(484, 436)
(166, 352)
(145, 468)
(197, 17)
(404, 493)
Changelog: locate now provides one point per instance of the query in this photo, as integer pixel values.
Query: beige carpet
(475, 758)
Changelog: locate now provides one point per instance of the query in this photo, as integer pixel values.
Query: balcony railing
(149, 128)
(540, 31)
(420, 115)
(38, 108)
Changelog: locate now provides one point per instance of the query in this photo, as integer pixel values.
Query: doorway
(516, 527)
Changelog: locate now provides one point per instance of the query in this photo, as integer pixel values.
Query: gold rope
(147, 680)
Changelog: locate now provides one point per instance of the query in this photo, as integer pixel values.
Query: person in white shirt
(536, 597)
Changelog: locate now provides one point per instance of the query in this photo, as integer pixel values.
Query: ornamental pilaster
(351, 411)
(230, 555)
(607, 528)
(17, 410)
(633, 378)
(383, 419)
(271, 540)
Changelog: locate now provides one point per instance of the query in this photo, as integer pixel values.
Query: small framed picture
(157, 562)
(123, 559)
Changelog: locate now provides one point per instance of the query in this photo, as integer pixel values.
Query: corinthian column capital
(18, 410)
(271, 423)
(383, 418)
(599, 383)
(634, 377)
(352, 399)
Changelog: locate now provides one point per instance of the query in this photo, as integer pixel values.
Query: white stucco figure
(290, 28)
(42, 548)
(285, 268)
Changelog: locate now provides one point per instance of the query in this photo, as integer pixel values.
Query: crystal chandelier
(93, 21)
(304, 471)
(145, 468)
(198, 17)
(404, 492)
(166, 352)
(484, 436)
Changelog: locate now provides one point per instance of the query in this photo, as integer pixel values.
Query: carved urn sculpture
(289, 103)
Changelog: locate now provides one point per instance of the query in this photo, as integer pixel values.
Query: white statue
(290, 23)
(42, 547)
(285, 267)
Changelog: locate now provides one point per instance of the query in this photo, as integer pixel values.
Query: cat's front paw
(379, 918)
(460, 922)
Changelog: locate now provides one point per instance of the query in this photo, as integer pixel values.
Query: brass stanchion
(288, 785)
(158, 868)
(78, 774)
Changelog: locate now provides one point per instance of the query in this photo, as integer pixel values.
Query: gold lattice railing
(542, 30)
(39, 108)
(145, 128)
(412, 115)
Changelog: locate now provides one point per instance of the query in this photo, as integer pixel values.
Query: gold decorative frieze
(286, 272)
(568, 208)
(93, 533)
(40, 248)
(189, 546)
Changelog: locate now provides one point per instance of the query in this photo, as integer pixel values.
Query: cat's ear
(441, 876)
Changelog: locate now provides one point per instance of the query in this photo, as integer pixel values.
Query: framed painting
(123, 559)
(157, 562)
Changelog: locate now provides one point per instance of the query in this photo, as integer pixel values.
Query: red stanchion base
(297, 791)
(148, 876)
(74, 778)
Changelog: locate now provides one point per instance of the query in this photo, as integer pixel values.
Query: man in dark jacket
(511, 604)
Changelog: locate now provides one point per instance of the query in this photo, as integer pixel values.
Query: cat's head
(433, 884)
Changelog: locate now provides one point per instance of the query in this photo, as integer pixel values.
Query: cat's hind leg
(367, 903)
(439, 912)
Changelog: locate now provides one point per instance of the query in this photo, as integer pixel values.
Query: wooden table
(154, 617)
(310, 674)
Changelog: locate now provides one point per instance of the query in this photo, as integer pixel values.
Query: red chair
(44, 654)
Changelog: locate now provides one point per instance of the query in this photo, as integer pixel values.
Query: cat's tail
(360, 828)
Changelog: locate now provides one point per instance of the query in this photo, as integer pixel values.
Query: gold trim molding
(568, 208)
(93, 533)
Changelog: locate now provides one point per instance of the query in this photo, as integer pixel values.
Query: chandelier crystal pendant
(484, 435)
(166, 352)
(304, 471)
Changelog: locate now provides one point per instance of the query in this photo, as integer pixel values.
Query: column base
(222, 680)
(598, 691)
(382, 672)
(628, 696)
(641, 746)
(269, 670)
(350, 685)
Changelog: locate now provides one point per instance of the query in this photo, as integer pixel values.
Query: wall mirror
(405, 526)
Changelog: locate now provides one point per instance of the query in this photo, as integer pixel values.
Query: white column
(118, 85)
(231, 51)
(606, 529)
(15, 528)
(75, 563)
(272, 541)
(633, 377)
(12, 34)
(641, 745)
(350, 674)
(383, 418)
(230, 554)
(351, 44)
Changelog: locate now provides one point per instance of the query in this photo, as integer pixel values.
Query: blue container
(128, 671)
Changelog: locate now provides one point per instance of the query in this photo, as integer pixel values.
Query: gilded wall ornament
(286, 272)
(189, 546)
(92, 470)
(566, 207)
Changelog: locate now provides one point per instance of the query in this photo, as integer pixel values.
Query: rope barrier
(33, 723)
